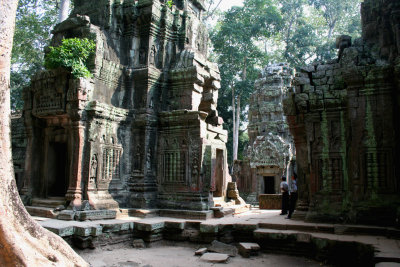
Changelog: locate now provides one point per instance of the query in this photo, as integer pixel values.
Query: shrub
(73, 54)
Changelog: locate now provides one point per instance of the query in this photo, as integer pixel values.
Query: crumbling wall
(343, 116)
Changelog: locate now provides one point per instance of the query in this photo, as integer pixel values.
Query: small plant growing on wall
(73, 54)
(170, 3)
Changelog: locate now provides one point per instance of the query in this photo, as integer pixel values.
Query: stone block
(318, 75)
(208, 228)
(322, 81)
(233, 193)
(93, 215)
(245, 227)
(220, 247)
(303, 237)
(232, 186)
(200, 251)
(63, 231)
(148, 227)
(116, 227)
(96, 230)
(66, 215)
(83, 231)
(325, 67)
(248, 249)
(309, 68)
(270, 201)
(174, 225)
(215, 257)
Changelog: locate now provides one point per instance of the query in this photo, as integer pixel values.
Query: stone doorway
(219, 174)
(269, 185)
(57, 169)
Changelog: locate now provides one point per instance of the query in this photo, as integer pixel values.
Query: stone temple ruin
(270, 154)
(144, 132)
(343, 117)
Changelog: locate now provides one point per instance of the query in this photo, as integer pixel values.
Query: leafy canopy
(34, 21)
(74, 54)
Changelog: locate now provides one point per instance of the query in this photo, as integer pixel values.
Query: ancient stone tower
(144, 132)
(343, 116)
(270, 151)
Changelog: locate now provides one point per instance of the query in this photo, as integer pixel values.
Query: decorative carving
(93, 169)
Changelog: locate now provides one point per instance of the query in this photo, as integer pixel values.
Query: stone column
(76, 143)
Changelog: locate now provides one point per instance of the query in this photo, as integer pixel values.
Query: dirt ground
(180, 255)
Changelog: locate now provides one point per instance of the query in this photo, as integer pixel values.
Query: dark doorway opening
(57, 170)
(219, 174)
(269, 185)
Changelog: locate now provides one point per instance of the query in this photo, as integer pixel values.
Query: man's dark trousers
(293, 200)
(285, 203)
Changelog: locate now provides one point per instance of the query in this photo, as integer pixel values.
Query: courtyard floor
(167, 253)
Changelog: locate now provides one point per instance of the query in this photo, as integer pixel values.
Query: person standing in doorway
(285, 196)
(293, 196)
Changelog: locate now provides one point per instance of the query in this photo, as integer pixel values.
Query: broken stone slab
(223, 248)
(200, 251)
(93, 215)
(248, 249)
(138, 243)
(214, 257)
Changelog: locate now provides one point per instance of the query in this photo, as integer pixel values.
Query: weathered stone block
(270, 202)
(208, 228)
(93, 215)
(66, 215)
(220, 247)
(248, 249)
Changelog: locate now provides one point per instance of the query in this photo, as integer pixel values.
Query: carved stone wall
(343, 119)
(144, 132)
(270, 151)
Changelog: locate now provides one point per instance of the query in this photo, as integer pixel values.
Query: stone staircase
(45, 207)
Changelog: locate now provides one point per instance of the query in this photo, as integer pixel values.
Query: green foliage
(170, 3)
(34, 21)
(74, 54)
(247, 38)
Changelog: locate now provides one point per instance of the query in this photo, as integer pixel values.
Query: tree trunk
(64, 10)
(237, 126)
(234, 137)
(23, 242)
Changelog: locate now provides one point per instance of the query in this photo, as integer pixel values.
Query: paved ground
(167, 254)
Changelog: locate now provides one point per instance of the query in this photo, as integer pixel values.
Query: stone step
(141, 213)
(338, 229)
(42, 212)
(51, 202)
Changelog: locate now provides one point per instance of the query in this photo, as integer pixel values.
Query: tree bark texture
(23, 242)
(64, 10)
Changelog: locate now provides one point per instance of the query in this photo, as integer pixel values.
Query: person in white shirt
(293, 196)
(285, 196)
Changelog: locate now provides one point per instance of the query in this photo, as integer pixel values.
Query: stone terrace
(273, 233)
